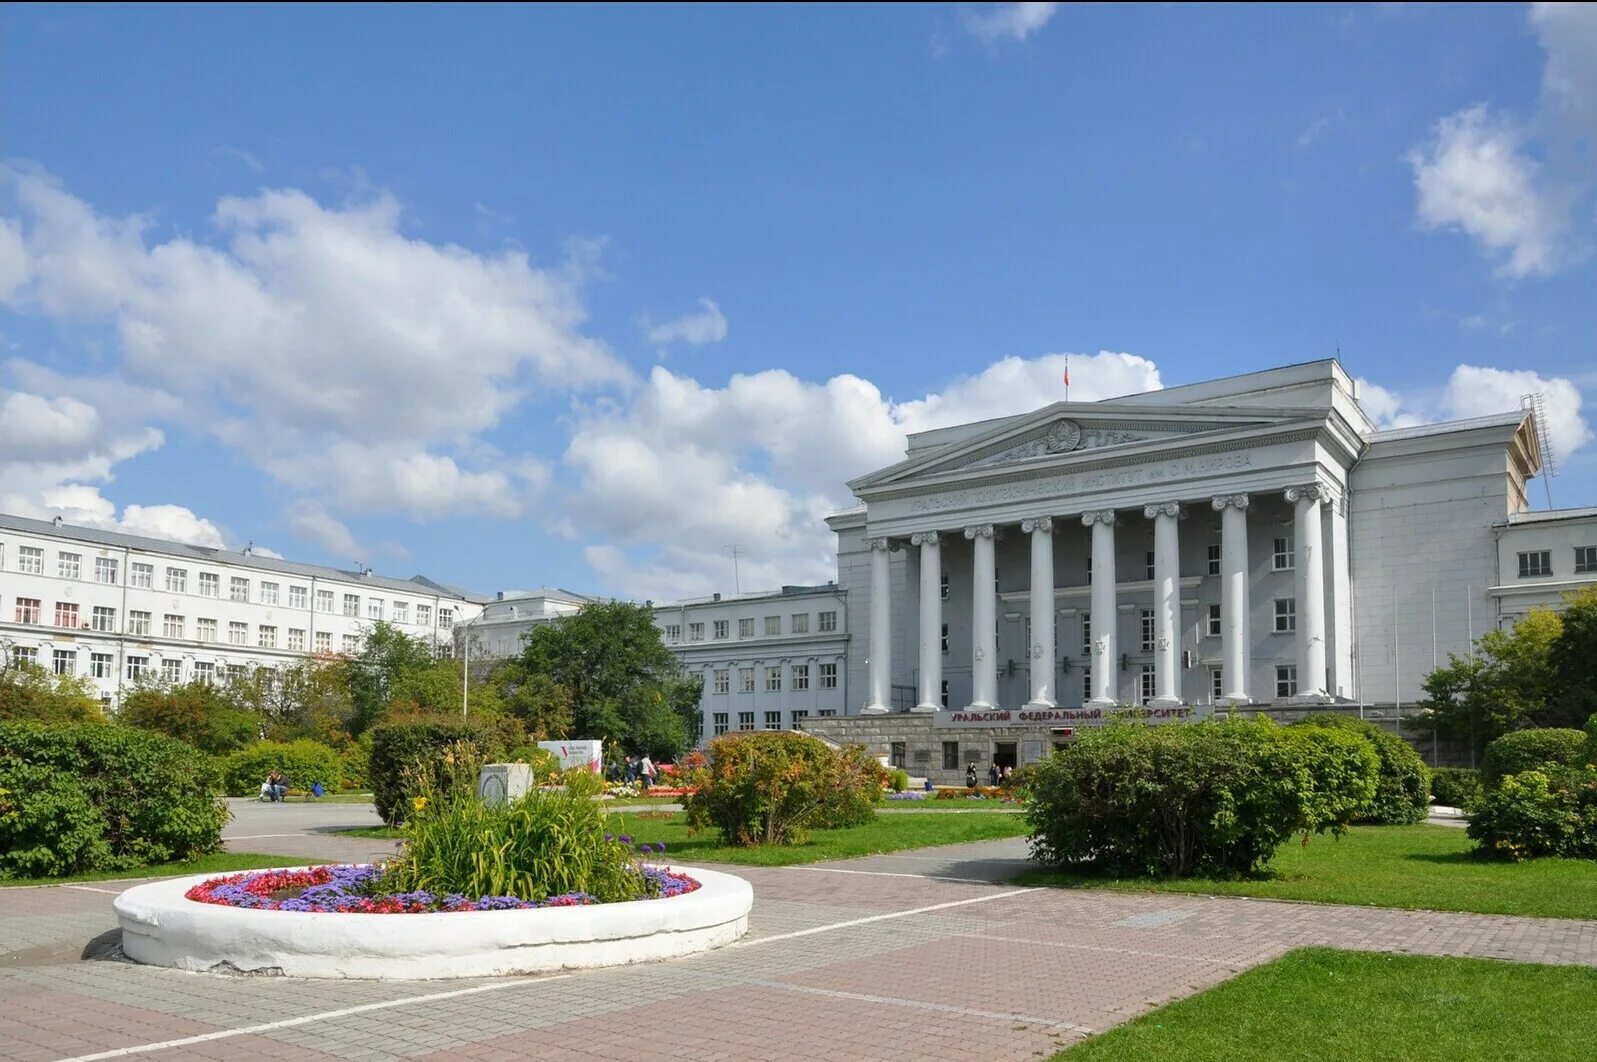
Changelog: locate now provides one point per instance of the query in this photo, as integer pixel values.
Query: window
(297, 597)
(723, 629)
(205, 630)
(773, 680)
(673, 632)
(204, 672)
(1217, 683)
(69, 565)
(745, 680)
(374, 608)
(30, 560)
(1148, 689)
(1214, 621)
(1585, 559)
(801, 677)
(104, 619)
(1214, 560)
(27, 610)
(1089, 571)
(210, 584)
(324, 641)
(171, 626)
(102, 665)
(1534, 563)
(828, 676)
(945, 693)
(238, 633)
(897, 754)
(1283, 561)
(745, 628)
(827, 621)
(352, 605)
(138, 622)
(950, 755)
(773, 626)
(745, 720)
(401, 611)
(1086, 684)
(296, 640)
(137, 666)
(235, 672)
(945, 639)
(799, 623)
(238, 589)
(446, 618)
(351, 644)
(695, 632)
(105, 570)
(266, 636)
(1286, 680)
(324, 601)
(942, 585)
(24, 654)
(1147, 630)
(799, 715)
(773, 720)
(64, 661)
(1286, 615)
(827, 713)
(66, 614)
(1148, 563)
(143, 576)
(720, 722)
(268, 593)
(1086, 635)
(424, 615)
(177, 580)
(723, 680)
(172, 670)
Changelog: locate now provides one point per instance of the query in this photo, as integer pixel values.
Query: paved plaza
(907, 956)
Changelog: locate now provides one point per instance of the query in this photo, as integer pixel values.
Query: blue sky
(583, 296)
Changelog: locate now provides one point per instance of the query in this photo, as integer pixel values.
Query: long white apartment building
(115, 607)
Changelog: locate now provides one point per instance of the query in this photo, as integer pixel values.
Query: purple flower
(626, 838)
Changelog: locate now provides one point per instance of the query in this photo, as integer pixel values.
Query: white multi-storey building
(497, 630)
(116, 607)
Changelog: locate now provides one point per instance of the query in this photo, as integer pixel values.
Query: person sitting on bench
(275, 788)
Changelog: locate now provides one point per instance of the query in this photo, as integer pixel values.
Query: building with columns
(1254, 540)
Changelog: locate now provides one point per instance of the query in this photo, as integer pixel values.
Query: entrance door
(1004, 755)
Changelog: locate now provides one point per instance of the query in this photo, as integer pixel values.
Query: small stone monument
(498, 783)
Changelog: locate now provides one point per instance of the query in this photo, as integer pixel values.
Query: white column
(1310, 591)
(983, 619)
(931, 620)
(881, 648)
(1166, 603)
(1233, 510)
(1041, 650)
(1105, 647)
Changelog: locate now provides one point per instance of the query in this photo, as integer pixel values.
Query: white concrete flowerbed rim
(163, 927)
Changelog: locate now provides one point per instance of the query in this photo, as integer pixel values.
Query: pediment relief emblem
(1061, 437)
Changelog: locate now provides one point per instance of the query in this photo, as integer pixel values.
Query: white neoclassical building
(1254, 540)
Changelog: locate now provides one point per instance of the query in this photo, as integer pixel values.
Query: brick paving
(911, 955)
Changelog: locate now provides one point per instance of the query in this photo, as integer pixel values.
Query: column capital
(925, 538)
(979, 531)
(1169, 508)
(1098, 516)
(1312, 491)
(1222, 502)
(1045, 524)
(881, 543)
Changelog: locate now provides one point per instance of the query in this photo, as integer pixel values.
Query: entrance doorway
(1004, 755)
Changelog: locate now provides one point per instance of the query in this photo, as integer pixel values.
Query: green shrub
(1456, 787)
(1551, 812)
(773, 787)
(1527, 750)
(545, 764)
(356, 757)
(302, 762)
(398, 747)
(1402, 793)
(1212, 798)
(196, 712)
(1591, 740)
(899, 781)
(548, 842)
(155, 799)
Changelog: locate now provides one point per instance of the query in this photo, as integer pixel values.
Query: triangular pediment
(1067, 433)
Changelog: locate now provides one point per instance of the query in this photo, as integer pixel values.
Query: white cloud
(1319, 127)
(1478, 391)
(1473, 176)
(312, 523)
(686, 471)
(705, 325)
(1568, 32)
(1014, 21)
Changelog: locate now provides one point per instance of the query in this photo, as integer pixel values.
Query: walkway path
(911, 955)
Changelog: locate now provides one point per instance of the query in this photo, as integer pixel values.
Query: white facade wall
(1569, 540)
(121, 651)
(497, 631)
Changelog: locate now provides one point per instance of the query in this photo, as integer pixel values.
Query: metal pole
(1433, 665)
(1397, 666)
(465, 670)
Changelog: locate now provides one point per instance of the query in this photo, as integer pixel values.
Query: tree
(28, 691)
(195, 712)
(388, 661)
(544, 707)
(306, 699)
(1574, 658)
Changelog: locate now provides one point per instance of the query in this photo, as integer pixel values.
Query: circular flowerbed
(354, 889)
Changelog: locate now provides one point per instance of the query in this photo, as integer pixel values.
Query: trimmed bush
(899, 781)
(302, 762)
(1527, 750)
(545, 764)
(119, 799)
(1456, 787)
(1403, 791)
(399, 747)
(774, 787)
(1551, 812)
(1212, 798)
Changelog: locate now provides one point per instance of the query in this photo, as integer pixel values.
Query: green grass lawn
(888, 833)
(1319, 1005)
(1415, 867)
(641, 801)
(219, 863)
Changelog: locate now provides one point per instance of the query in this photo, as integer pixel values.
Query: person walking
(647, 771)
(992, 775)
